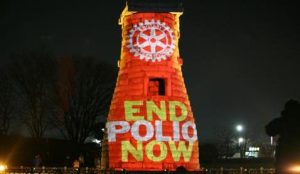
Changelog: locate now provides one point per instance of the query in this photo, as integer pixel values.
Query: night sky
(241, 58)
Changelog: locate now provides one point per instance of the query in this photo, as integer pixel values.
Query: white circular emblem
(151, 40)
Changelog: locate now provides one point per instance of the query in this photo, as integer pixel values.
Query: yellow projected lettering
(127, 148)
(153, 136)
(172, 107)
(182, 150)
(153, 108)
(130, 111)
(162, 152)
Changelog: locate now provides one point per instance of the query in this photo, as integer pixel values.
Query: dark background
(241, 58)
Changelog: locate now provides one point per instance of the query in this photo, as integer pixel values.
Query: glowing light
(96, 141)
(2, 167)
(239, 128)
(241, 140)
(294, 169)
(254, 149)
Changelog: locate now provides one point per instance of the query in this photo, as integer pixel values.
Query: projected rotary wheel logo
(151, 41)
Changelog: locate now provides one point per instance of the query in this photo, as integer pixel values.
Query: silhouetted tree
(226, 146)
(33, 74)
(266, 150)
(7, 102)
(84, 90)
(288, 130)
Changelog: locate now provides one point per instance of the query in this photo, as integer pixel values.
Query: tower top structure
(156, 6)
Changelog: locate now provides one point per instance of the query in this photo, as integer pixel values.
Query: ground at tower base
(54, 160)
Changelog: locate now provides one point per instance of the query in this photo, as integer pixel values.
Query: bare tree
(33, 73)
(226, 145)
(84, 90)
(7, 104)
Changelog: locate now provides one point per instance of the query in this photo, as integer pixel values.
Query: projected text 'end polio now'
(154, 131)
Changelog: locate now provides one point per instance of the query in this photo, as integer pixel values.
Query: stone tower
(150, 126)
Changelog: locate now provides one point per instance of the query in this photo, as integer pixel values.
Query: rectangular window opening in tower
(157, 87)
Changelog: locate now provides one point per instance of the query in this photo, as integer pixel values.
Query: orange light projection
(150, 126)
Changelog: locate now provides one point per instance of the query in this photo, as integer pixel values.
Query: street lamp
(241, 147)
(241, 140)
(239, 128)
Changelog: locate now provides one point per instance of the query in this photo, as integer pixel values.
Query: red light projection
(150, 126)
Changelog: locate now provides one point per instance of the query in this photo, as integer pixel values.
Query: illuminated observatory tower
(150, 126)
